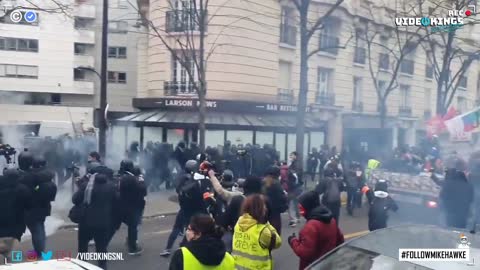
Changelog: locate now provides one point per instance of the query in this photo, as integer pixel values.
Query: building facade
(47, 67)
(253, 55)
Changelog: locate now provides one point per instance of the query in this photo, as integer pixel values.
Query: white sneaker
(91, 243)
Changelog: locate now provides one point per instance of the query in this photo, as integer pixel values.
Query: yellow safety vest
(247, 252)
(371, 165)
(191, 263)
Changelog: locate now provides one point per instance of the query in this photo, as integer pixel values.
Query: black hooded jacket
(456, 195)
(14, 200)
(99, 214)
(209, 251)
(43, 191)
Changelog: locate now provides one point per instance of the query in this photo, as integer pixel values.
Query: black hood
(207, 250)
(320, 213)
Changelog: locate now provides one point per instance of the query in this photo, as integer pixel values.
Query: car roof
(72, 264)
(388, 241)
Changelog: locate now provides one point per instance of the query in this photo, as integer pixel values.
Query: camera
(7, 151)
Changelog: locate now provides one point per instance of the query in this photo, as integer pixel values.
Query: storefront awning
(217, 120)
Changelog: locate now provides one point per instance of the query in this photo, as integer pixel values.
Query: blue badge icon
(425, 21)
(30, 16)
(47, 255)
(17, 256)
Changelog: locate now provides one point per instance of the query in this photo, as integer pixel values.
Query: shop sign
(215, 105)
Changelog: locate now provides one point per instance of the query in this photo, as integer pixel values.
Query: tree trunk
(383, 112)
(202, 110)
(202, 76)
(302, 95)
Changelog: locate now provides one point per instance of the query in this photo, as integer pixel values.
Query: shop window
(214, 137)
(262, 138)
(174, 136)
(240, 136)
(280, 140)
(152, 134)
(133, 135)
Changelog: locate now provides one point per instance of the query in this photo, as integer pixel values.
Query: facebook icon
(17, 256)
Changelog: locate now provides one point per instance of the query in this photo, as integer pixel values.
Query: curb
(173, 198)
(69, 226)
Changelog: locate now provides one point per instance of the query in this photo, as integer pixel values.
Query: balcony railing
(360, 55)
(175, 88)
(405, 111)
(325, 98)
(329, 44)
(285, 95)
(288, 34)
(407, 66)
(384, 61)
(182, 20)
(357, 106)
(429, 71)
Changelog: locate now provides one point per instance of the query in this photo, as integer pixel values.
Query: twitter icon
(47, 255)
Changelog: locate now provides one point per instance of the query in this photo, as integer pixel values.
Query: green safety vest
(191, 263)
(247, 252)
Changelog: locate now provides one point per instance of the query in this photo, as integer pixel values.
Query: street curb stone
(173, 198)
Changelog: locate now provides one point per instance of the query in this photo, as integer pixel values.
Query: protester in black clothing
(98, 198)
(457, 196)
(355, 180)
(15, 198)
(181, 154)
(190, 189)
(276, 197)
(380, 203)
(132, 203)
(312, 163)
(331, 188)
(43, 191)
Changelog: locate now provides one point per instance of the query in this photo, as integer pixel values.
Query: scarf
(88, 191)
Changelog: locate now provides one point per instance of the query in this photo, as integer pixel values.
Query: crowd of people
(231, 200)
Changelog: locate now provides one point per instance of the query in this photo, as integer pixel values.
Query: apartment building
(253, 79)
(48, 67)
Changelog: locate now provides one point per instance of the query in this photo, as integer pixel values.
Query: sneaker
(136, 251)
(165, 253)
(91, 243)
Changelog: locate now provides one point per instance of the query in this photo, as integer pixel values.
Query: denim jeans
(177, 229)
(39, 238)
(293, 211)
(476, 210)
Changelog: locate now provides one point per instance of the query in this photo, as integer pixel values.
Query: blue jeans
(39, 238)
(476, 210)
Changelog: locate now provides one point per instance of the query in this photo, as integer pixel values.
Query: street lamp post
(102, 138)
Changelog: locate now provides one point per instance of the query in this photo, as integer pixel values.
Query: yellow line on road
(355, 234)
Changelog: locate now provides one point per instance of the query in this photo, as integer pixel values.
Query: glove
(291, 237)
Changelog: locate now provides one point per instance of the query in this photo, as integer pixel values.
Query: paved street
(154, 236)
(154, 233)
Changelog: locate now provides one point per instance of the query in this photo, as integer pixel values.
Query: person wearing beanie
(320, 233)
(380, 203)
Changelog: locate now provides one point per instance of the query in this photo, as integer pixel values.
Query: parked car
(378, 250)
(72, 264)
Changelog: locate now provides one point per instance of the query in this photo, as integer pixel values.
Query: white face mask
(358, 173)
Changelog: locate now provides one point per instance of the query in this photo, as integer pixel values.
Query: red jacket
(319, 235)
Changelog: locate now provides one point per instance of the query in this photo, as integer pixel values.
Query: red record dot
(468, 13)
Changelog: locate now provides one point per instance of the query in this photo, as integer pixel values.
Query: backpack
(378, 213)
(332, 192)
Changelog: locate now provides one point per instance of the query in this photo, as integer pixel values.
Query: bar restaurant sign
(214, 105)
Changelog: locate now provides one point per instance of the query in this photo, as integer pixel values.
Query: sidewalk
(162, 203)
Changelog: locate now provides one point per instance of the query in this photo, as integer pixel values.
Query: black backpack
(378, 213)
(332, 192)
